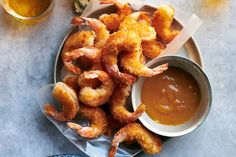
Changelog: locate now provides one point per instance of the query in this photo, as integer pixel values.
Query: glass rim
(14, 14)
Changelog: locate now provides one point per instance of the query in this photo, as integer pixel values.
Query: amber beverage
(28, 11)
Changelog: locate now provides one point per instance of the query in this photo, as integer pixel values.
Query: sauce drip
(29, 8)
(171, 98)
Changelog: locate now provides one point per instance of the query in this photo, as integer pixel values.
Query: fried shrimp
(139, 23)
(162, 22)
(69, 102)
(117, 105)
(98, 122)
(92, 53)
(152, 48)
(149, 142)
(131, 62)
(78, 40)
(72, 81)
(102, 34)
(112, 21)
(131, 59)
(98, 96)
(116, 44)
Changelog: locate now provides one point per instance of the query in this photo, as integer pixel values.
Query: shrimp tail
(98, 122)
(123, 77)
(93, 23)
(138, 112)
(74, 126)
(77, 21)
(90, 52)
(115, 2)
(120, 137)
(160, 69)
(128, 117)
(50, 110)
(81, 21)
(82, 131)
(118, 102)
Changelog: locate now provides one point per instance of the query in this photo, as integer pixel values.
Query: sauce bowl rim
(199, 121)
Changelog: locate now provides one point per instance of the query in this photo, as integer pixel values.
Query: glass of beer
(28, 11)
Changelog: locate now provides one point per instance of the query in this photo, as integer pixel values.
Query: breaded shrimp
(112, 21)
(78, 40)
(139, 23)
(118, 102)
(149, 142)
(98, 96)
(69, 102)
(72, 81)
(98, 122)
(118, 42)
(162, 21)
(132, 64)
(102, 34)
(129, 43)
(92, 53)
(152, 48)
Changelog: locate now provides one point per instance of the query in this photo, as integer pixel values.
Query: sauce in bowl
(171, 98)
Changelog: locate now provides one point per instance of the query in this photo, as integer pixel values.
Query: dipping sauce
(171, 98)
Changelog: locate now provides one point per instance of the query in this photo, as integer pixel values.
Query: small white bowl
(205, 101)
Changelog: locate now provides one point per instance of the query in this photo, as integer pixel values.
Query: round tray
(189, 50)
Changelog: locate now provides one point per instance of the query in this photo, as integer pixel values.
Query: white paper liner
(100, 146)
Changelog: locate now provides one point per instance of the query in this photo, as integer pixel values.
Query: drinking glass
(28, 19)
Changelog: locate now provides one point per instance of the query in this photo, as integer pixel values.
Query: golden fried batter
(152, 48)
(69, 102)
(98, 122)
(149, 142)
(133, 23)
(102, 34)
(72, 81)
(131, 60)
(112, 21)
(98, 96)
(162, 22)
(78, 40)
(92, 53)
(118, 102)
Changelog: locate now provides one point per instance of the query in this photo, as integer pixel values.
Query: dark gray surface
(26, 64)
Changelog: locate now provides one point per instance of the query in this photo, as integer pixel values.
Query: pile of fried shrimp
(102, 65)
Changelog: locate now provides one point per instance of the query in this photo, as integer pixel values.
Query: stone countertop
(26, 64)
